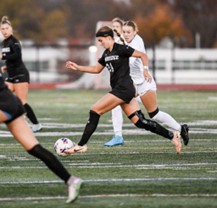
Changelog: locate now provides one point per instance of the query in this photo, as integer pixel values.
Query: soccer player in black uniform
(18, 75)
(116, 59)
(11, 113)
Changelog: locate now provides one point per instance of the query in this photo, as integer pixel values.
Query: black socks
(90, 127)
(51, 161)
(30, 114)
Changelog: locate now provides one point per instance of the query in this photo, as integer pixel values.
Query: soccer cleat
(36, 127)
(76, 149)
(115, 141)
(177, 142)
(184, 133)
(74, 185)
(80, 149)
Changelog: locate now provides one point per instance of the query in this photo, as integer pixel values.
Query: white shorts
(144, 87)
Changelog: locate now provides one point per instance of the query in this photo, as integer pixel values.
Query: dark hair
(131, 24)
(105, 31)
(5, 20)
(119, 20)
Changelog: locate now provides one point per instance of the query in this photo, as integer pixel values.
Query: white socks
(167, 120)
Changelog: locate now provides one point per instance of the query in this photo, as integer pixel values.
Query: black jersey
(2, 83)
(117, 62)
(12, 54)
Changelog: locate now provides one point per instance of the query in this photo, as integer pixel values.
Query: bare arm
(144, 58)
(89, 69)
(3, 69)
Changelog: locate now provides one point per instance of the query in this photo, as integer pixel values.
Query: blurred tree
(200, 16)
(47, 21)
(24, 21)
(143, 8)
(83, 15)
(160, 23)
(54, 26)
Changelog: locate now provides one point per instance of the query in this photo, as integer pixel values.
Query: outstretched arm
(89, 69)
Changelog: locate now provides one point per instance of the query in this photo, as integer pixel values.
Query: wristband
(145, 67)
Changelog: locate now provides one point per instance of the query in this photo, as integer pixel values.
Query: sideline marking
(109, 180)
(82, 165)
(108, 132)
(104, 196)
(127, 131)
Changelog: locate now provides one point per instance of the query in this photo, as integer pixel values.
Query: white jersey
(136, 66)
(136, 69)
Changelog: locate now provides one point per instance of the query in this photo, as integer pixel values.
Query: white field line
(109, 131)
(106, 196)
(81, 165)
(111, 180)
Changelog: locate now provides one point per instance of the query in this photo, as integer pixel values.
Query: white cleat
(80, 149)
(36, 127)
(177, 141)
(74, 185)
(76, 149)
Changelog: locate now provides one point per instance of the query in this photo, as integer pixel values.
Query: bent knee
(96, 110)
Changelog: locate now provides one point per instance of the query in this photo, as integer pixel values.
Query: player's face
(6, 30)
(128, 33)
(105, 41)
(117, 26)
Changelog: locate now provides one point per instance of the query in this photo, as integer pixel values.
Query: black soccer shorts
(11, 105)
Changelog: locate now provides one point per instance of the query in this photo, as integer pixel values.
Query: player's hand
(3, 69)
(147, 76)
(71, 65)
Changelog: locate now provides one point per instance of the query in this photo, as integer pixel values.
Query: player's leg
(23, 134)
(4, 116)
(103, 105)
(134, 113)
(10, 86)
(21, 91)
(117, 122)
(149, 100)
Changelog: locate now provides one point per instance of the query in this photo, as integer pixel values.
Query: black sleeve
(102, 59)
(15, 51)
(126, 50)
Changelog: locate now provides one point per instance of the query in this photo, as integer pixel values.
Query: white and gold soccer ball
(62, 144)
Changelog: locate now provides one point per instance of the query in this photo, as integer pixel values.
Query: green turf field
(145, 172)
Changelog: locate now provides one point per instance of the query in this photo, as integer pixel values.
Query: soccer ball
(63, 144)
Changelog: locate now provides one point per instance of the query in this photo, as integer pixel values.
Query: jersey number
(110, 67)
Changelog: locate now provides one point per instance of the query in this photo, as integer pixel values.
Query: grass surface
(145, 172)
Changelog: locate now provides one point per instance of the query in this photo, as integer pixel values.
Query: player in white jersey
(146, 88)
